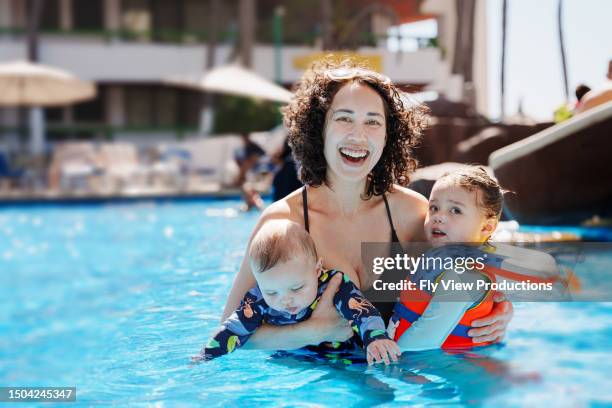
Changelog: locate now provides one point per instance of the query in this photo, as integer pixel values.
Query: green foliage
(562, 113)
(237, 115)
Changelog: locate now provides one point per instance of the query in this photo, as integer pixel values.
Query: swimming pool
(113, 299)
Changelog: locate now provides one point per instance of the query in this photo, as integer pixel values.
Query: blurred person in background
(598, 97)
(246, 158)
(581, 90)
(286, 178)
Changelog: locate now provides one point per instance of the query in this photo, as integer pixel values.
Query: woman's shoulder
(408, 209)
(288, 208)
(404, 199)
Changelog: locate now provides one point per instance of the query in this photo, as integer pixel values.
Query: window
(412, 36)
(91, 110)
(50, 15)
(136, 16)
(190, 106)
(166, 106)
(138, 106)
(152, 105)
(87, 14)
(195, 15)
(166, 19)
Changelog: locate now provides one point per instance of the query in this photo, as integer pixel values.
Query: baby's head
(284, 262)
(464, 206)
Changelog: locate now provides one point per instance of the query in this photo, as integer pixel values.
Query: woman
(352, 136)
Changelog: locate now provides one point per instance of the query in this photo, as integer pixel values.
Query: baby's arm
(236, 329)
(366, 321)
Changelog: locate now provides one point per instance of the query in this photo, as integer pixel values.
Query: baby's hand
(380, 350)
(198, 359)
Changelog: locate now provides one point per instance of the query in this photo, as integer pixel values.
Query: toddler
(464, 207)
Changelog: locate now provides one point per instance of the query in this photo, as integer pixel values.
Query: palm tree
(213, 18)
(502, 82)
(34, 113)
(246, 13)
(33, 25)
(463, 56)
(326, 15)
(208, 99)
(562, 47)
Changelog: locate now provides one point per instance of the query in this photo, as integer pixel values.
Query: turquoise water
(113, 299)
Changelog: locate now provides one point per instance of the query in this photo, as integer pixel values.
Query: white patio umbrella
(24, 83)
(235, 80)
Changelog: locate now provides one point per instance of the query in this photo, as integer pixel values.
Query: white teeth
(358, 154)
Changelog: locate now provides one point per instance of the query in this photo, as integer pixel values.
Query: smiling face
(454, 216)
(290, 286)
(355, 131)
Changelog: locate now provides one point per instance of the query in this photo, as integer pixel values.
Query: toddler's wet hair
(490, 195)
(279, 241)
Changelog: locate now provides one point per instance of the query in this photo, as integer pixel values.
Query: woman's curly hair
(305, 120)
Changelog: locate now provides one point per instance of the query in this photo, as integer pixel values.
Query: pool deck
(15, 197)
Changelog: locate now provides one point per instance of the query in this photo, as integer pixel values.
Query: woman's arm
(325, 324)
(493, 327)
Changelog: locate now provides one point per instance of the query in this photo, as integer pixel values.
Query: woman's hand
(381, 350)
(493, 327)
(327, 323)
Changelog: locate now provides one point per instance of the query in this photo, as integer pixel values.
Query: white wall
(116, 61)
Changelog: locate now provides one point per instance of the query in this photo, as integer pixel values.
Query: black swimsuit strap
(394, 237)
(305, 207)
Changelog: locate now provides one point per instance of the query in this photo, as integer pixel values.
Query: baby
(464, 207)
(290, 281)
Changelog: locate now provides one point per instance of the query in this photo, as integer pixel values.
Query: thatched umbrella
(28, 84)
(235, 80)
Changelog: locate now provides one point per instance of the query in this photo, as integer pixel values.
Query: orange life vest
(413, 303)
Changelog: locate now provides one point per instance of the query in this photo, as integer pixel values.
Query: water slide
(561, 175)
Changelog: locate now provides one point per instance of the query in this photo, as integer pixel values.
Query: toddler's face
(454, 216)
(290, 286)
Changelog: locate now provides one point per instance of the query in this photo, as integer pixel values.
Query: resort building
(131, 48)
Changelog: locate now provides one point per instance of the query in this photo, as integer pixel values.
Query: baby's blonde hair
(279, 241)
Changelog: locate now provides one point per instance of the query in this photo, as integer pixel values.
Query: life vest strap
(405, 313)
(408, 315)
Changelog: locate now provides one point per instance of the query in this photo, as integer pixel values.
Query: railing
(88, 130)
(125, 34)
(201, 37)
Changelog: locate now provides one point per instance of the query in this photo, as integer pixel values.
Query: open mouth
(437, 233)
(353, 156)
(292, 310)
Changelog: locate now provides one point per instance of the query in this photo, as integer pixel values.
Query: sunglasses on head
(340, 74)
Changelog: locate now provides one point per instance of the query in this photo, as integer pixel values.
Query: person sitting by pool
(464, 209)
(290, 282)
(598, 96)
(352, 136)
(246, 157)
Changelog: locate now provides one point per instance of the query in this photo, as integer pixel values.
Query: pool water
(114, 299)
